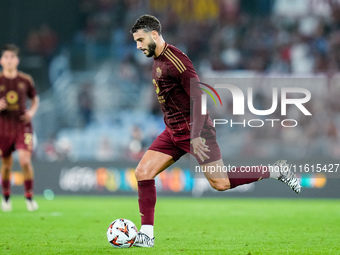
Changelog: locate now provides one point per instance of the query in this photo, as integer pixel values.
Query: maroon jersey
(15, 91)
(171, 74)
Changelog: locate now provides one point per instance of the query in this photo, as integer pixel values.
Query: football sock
(148, 230)
(147, 202)
(239, 176)
(28, 187)
(6, 188)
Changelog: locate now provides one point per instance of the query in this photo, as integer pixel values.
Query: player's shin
(30, 202)
(243, 175)
(28, 187)
(147, 202)
(6, 189)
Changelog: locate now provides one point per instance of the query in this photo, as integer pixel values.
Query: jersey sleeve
(183, 71)
(31, 92)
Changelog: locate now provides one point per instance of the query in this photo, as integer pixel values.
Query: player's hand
(200, 148)
(26, 118)
(3, 104)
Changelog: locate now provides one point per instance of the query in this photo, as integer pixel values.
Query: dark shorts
(178, 145)
(8, 144)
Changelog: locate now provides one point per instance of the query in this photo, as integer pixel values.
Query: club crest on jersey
(21, 85)
(2, 88)
(12, 97)
(158, 72)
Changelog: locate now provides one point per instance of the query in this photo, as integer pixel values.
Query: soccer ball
(122, 233)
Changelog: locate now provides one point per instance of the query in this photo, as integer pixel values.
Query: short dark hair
(148, 23)
(10, 47)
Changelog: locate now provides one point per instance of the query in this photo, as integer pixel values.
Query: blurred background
(97, 100)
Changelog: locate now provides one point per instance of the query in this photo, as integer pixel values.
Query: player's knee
(25, 162)
(142, 173)
(6, 165)
(220, 186)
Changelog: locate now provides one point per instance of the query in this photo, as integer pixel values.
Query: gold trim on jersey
(180, 62)
(27, 77)
(180, 71)
(176, 61)
(165, 48)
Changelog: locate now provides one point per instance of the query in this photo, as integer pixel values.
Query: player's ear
(154, 34)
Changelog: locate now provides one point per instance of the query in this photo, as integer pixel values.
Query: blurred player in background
(15, 124)
(171, 72)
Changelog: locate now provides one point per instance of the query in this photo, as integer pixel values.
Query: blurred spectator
(42, 41)
(85, 9)
(33, 44)
(49, 148)
(136, 148)
(64, 148)
(105, 151)
(48, 39)
(59, 65)
(85, 103)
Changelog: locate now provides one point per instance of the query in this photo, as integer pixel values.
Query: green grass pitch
(77, 225)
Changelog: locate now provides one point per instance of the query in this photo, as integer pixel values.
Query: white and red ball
(122, 233)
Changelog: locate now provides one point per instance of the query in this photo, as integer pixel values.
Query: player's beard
(151, 49)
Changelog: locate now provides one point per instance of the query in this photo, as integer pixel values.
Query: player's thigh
(24, 141)
(24, 146)
(216, 174)
(152, 163)
(214, 152)
(6, 146)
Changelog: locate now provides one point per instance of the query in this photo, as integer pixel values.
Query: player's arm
(199, 147)
(198, 120)
(32, 94)
(29, 114)
(189, 80)
(191, 85)
(3, 104)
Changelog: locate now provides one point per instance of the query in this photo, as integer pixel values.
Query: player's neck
(10, 74)
(159, 48)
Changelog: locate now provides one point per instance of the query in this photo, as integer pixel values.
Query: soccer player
(15, 124)
(171, 72)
